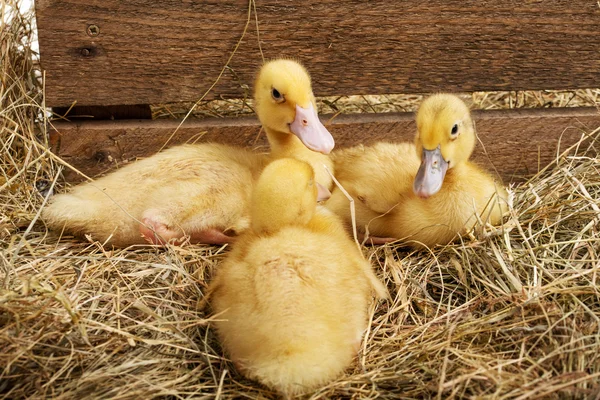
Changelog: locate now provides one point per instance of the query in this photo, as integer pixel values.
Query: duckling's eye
(454, 132)
(277, 96)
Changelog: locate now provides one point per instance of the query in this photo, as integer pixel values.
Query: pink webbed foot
(211, 236)
(158, 233)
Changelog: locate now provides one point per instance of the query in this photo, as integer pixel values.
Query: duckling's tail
(76, 215)
(302, 373)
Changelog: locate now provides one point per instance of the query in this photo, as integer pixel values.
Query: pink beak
(431, 173)
(311, 131)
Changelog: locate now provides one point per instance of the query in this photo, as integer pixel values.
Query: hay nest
(512, 312)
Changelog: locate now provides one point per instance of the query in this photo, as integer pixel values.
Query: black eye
(277, 96)
(454, 129)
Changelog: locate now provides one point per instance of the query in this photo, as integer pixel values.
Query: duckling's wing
(378, 176)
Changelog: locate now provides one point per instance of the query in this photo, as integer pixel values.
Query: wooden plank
(107, 52)
(518, 142)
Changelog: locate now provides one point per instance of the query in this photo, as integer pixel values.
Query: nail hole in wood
(101, 156)
(93, 30)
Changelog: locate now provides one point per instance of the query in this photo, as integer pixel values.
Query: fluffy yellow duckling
(291, 298)
(199, 190)
(423, 193)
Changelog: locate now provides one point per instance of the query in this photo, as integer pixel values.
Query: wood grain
(149, 52)
(518, 142)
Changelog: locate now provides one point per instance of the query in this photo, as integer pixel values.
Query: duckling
(291, 298)
(202, 190)
(286, 106)
(423, 193)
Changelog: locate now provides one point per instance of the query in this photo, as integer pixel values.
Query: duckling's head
(285, 103)
(445, 138)
(286, 194)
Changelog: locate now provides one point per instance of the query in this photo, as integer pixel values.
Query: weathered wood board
(518, 142)
(113, 52)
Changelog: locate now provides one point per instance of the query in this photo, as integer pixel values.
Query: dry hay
(513, 312)
(222, 108)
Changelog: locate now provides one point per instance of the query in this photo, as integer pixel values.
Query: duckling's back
(113, 206)
(294, 306)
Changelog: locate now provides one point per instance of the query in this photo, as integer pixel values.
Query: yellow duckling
(424, 193)
(199, 190)
(291, 298)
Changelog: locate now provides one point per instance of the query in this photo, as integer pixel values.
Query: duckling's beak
(311, 131)
(322, 192)
(431, 173)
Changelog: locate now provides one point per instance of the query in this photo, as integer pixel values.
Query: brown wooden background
(138, 52)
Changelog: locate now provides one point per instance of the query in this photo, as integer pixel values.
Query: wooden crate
(112, 58)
